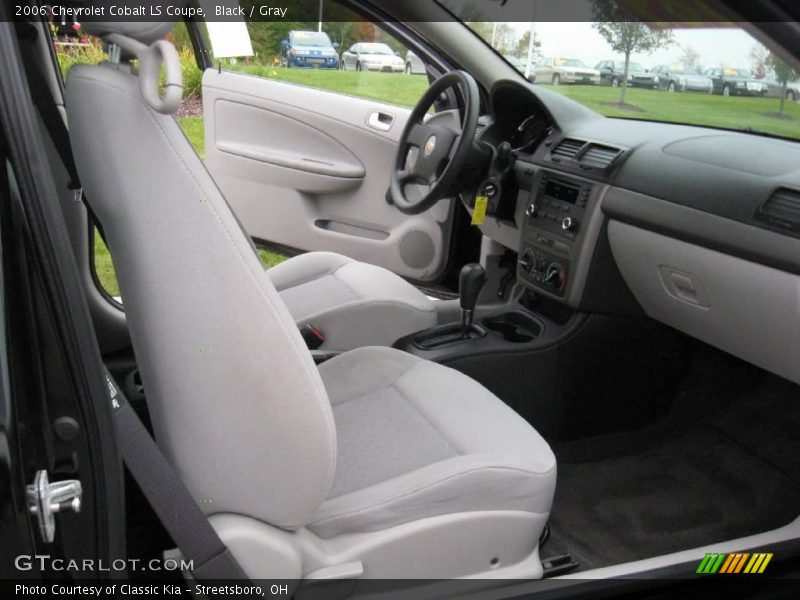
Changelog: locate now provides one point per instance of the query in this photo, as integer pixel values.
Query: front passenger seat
(352, 303)
(378, 464)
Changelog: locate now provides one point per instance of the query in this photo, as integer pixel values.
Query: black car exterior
(735, 82)
(613, 71)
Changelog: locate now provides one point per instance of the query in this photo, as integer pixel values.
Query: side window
(345, 55)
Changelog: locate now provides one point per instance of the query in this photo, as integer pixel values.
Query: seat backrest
(235, 398)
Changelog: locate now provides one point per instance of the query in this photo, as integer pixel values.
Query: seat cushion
(353, 303)
(417, 439)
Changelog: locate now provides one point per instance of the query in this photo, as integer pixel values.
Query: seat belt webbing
(46, 106)
(173, 504)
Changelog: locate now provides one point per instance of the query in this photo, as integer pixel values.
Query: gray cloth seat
(377, 458)
(353, 303)
(417, 439)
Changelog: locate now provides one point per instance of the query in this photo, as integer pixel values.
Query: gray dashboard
(711, 187)
(702, 226)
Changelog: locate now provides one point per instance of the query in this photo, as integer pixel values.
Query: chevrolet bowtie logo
(430, 145)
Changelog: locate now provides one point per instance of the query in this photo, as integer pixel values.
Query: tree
(758, 61)
(783, 73)
(266, 38)
(522, 45)
(501, 36)
(626, 35)
(344, 33)
(690, 58)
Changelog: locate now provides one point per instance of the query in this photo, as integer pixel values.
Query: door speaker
(417, 249)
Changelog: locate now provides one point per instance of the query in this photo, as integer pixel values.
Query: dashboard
(699, 227)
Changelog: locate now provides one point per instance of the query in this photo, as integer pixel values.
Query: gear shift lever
(470, 283)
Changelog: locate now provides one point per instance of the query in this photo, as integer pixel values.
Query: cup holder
(514, 327)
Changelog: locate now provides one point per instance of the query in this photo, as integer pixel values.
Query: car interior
(610, 388)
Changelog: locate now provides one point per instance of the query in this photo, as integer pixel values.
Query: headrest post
(151, 58)
(114, 54)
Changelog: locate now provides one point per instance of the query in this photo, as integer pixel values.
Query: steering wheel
(442, 149)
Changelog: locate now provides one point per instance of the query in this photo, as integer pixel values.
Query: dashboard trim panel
(712, 231)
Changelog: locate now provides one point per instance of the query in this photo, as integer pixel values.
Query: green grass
(698, 109)
(193, 128)
(104, 266)
(391, 88)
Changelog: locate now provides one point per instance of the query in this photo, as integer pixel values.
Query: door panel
(309, 169)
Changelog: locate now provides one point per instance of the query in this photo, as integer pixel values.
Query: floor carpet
(730, 471)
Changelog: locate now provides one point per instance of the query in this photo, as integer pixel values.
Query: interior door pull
(380, 120)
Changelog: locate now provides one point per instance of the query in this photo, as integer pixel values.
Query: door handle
(380, 120)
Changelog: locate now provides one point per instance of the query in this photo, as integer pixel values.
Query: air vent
(568, 148)
(599, 157)
(782, 210)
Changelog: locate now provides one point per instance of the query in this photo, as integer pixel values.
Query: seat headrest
(146, 33)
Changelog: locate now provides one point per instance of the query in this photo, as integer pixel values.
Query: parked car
(372, 56)
(516, 62)
(414, 64)
(310, 50)
(556, 70)
(735, 82)
(775, 88)
(612, 73)
(677, 78)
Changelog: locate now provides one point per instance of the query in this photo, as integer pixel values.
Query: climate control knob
(554, 276)
(526, 261)
(531, 210)
(569, 224)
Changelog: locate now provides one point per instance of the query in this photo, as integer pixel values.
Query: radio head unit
(552, 226)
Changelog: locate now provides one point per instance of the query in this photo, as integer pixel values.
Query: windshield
(311, 38)
(620, 66)
(679, 70)
(376, 49)
(686, 49)
(736, 72)
(568, 62)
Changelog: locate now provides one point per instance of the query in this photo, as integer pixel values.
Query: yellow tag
(479, 211)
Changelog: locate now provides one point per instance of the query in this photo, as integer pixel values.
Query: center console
(554, 232)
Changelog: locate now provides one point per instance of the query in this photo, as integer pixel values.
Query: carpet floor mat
(632, 495)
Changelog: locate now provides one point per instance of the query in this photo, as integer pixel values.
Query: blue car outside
(309, 50)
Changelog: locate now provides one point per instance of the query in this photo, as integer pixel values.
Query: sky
(717, 47)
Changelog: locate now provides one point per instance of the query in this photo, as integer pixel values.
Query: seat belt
(173, 504)
(45, 104)
(47, 108)
(175, 507)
